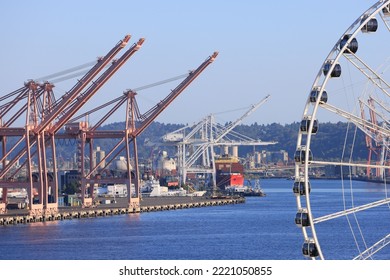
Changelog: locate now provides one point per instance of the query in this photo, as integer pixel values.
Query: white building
(116, 190)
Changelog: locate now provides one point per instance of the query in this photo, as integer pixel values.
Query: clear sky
(265, 47)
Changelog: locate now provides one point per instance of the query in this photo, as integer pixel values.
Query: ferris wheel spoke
(382, 105)
(351, 164)
(347, 115)
(365, 125)
(351, 210)
(369, 252)
(374, 112)
(385, 16)
(367, 71)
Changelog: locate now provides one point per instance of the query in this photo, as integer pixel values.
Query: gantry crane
(41, 127)
(135, 124)
(202, 139)
(376, 141)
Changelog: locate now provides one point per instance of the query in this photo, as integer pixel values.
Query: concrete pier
(149, 204)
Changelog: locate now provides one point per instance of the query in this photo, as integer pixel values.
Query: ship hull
(230, 179)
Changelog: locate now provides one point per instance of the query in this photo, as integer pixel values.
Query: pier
(149, 204)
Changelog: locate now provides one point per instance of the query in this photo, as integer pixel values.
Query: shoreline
(153, 204)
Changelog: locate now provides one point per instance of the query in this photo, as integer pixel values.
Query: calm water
(261, 228)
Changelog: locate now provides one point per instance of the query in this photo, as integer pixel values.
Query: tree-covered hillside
(323, 144)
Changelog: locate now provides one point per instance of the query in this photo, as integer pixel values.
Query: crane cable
(135, 89)
(67, 71)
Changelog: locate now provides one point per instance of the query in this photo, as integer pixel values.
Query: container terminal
(31, 186)
(29, 159)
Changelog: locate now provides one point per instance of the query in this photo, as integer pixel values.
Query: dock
(148, 204)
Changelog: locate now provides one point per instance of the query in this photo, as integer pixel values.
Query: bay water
(262, 228)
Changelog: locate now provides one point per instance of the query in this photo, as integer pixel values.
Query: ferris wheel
(348, 217)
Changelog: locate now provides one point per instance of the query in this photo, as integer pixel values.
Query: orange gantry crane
(37, 136)
(135, 124)
(45, 117)
(374, 139)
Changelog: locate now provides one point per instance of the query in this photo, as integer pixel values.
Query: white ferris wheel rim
(334, 56)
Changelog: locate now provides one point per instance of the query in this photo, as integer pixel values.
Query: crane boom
(80, 85)
(362, 114)
(230, 127)
(149, 116)
(5, 108)
(64, 102)
(157, 109)
(84, 97)
(198, 152)
(120, 100)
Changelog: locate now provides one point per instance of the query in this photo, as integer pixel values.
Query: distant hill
(285, 135)
(323, 146)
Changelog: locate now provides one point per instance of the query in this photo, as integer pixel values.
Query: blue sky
(265, 47)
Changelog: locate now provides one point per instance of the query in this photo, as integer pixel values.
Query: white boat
(153, 188)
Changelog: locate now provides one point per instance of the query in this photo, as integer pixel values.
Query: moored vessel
(230, 178)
